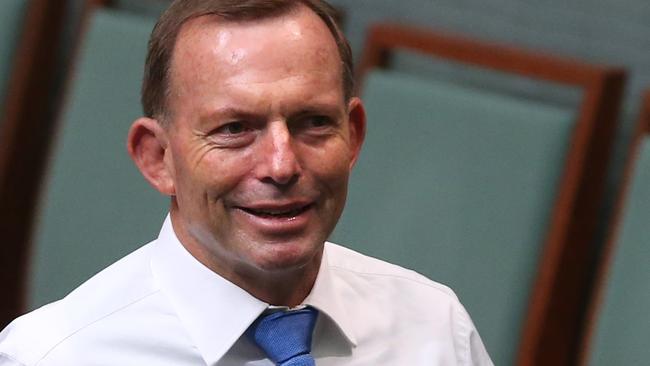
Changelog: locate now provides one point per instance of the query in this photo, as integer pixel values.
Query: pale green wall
(95, 207)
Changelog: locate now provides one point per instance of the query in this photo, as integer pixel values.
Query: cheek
(223, 172)
(332, 167)
(198, 177)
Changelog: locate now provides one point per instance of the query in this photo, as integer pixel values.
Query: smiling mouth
(277, 213)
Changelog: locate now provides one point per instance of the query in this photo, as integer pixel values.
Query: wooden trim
(605, 262)
(552, 327)
(25, 133)
(385, 38)
(552, 324)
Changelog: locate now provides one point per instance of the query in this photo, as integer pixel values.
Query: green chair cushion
(96, 206)
(146, 7)
(12, 15)
(458, 184)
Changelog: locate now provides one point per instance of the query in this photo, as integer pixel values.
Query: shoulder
(390, 303)
(356, 266)
(116, 289)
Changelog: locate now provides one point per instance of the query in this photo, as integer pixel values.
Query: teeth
(284, 213)
(290, 213)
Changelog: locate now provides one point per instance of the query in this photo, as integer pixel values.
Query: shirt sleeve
(470, 345)
(478, 354)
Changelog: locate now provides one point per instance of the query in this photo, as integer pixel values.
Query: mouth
(280, 212)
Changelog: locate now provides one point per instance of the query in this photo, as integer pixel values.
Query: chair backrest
(429, 192)
(30, 34)
(95, 207)
(12, 13)
(148, 7)
(618, 322)
(492, 194)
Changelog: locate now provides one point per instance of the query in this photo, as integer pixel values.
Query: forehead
(209, 46)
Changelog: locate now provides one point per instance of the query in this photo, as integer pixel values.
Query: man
(252, 130)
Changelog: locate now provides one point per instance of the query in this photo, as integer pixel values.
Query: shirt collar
(325, 297)
(215, 311)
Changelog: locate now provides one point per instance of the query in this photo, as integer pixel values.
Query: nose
(279, 163)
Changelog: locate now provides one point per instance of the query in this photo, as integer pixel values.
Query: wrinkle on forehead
(263, 79)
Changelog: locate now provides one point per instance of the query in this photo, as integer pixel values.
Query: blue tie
(285, 336)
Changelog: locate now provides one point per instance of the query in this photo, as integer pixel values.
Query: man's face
(260, 142)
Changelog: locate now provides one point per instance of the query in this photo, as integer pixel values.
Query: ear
(148, 146)
(357, 126)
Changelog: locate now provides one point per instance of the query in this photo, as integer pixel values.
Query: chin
(282, 257)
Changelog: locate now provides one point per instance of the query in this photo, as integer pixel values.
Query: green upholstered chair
(147, 7)
(12, 14)
(619, 320)
(458, 184)
(95, 207)
(482, 190)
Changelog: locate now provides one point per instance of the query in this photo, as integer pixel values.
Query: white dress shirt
(159, 306)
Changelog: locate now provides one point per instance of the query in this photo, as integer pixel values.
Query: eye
(317, 121)
(233, 134)
(233, 128)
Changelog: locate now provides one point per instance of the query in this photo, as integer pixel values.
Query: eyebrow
(227, 113)
(319, 108)
(239, 113)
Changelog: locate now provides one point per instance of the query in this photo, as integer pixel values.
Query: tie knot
(285, 336)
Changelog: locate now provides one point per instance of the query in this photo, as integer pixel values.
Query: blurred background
(504, 158)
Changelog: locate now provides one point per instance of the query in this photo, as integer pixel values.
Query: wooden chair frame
(25, 136)
(607, 253)
(552, 323)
